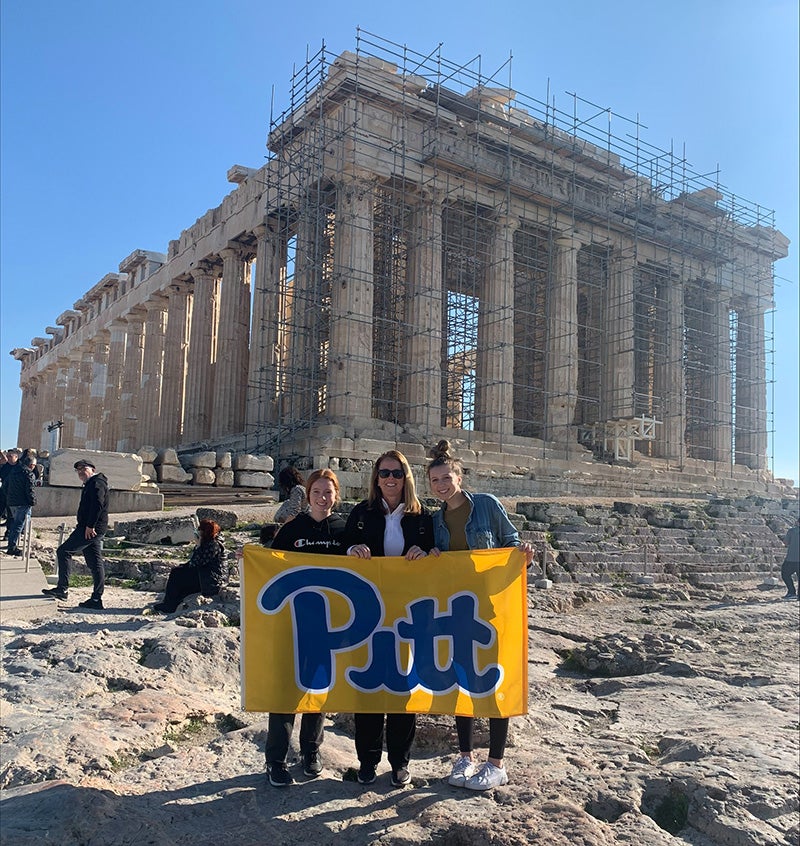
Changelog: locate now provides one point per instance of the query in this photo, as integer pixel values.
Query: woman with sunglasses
(471, 521)
(391, 521)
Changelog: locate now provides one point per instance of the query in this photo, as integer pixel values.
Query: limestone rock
(149, 472)
(257, 463)
(223, 478)
(249, 479)
(225, 519)
(224, 460)
(148, 454)
(170, 530)
(171, 473)
(203, 476)
(167, 456)
(203, 459)
(122, 469)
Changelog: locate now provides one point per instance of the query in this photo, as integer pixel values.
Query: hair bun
(441, 450)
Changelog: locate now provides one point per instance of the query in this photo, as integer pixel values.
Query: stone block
(148, 454)
(122, 469)
(149, 471)
(252, 479)
(167, 456)
(224, 460)
(173, 530)
(203, 476)
(203, 459)
(170, 473)
(225, 519)
(223, 478)
(256, 463)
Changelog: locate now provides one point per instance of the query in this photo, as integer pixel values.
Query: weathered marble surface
(124, 728)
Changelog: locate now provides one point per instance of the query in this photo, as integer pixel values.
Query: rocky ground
(657, 716)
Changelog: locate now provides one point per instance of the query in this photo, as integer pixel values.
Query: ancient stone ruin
(425, 253)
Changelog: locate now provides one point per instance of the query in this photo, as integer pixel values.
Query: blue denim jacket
(488, 526)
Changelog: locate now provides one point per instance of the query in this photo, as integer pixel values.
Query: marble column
(152, 369)
(751, 388)
(113, 411)
(173, 383)
(619, 377)
(561, 368)
(60, 394)
(233, 336)
(71, 398)
(262, 379)
(722, 425)
(130, 399)
(422, 341)
(82, 393)
(671, 379)
(201, 355)
(28, 412)
(350, 355)
(495, 361)
(97, 390)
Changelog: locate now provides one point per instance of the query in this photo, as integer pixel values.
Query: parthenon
(427, 253)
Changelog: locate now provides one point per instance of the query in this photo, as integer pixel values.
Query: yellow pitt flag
(439, 635)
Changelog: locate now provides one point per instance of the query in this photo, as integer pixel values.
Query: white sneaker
(487, 777)
(463, 769)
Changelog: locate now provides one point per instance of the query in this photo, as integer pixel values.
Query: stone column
(201, 355)
(71, 398)
(722, 426)
(262, 379)
(130, 398)
(173, 383)
(28, 413)
(230, 381)
(152, 369)
(82, 393)
(619, 376)
(350, 356)
(671, 380)
(97, 390)
(422, 342)
(751, 388)
(113, 411)
(495, 361)
(60, 394)
(561, 373)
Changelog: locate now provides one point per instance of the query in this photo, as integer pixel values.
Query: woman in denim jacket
(471, 521)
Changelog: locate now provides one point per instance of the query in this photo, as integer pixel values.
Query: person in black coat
(86, 537)
(20, 497)
(320, 531)
(391, 521)
(205, 572)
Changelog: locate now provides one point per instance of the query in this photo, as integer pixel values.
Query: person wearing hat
(87, 537)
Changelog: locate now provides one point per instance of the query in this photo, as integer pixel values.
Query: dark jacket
(19, 486)
(367, 525)
(209, 561)
(304, 534)
(93, 507)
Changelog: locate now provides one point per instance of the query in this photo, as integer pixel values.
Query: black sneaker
(92, 603)
(15, 550)
(56, 593)
(312, 764)
(400, 777)
(279, 776)
(366, 774)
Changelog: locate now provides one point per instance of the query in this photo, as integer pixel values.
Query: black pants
(92, 550)
(400, 731)
(789, 569)
(279, 734)
(182, 582)
(498, 734)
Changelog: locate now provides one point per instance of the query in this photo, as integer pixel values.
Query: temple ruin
(428, 253)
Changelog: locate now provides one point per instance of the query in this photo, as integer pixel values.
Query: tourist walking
(8, 460)
(391, 521)
(86, 537)
(19, 486)
(791, 564)
(471, 521)
(316, 530)
(205, 572)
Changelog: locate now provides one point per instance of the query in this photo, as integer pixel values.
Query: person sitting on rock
(205, 572)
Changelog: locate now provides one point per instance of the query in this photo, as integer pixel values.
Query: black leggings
(498, 734)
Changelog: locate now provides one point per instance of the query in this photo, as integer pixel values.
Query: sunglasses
(396, 474)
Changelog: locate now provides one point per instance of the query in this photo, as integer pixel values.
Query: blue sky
(120, 120)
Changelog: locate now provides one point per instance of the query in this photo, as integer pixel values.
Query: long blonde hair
(413, 505)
